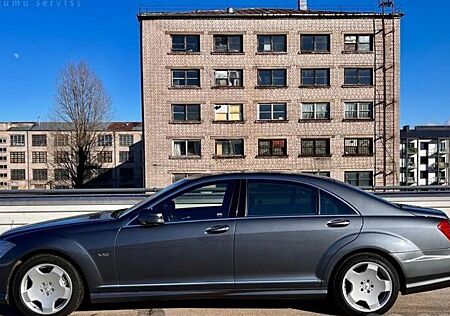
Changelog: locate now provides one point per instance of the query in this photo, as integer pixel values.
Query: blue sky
(39, 39)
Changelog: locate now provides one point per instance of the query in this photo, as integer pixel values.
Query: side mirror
(147, 218)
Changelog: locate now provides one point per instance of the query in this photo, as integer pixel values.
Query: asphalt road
(423, 304)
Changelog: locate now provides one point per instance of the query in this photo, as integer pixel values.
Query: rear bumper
(425, 270)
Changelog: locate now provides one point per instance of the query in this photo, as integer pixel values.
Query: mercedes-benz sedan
(244, 235)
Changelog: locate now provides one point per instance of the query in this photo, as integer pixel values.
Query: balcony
(411, 151)
(410, 180)
(441, 165)
(412, 165)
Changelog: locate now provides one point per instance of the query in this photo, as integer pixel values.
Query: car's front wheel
(47, 285)
(366, 284)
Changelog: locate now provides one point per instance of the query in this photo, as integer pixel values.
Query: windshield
(154, 196)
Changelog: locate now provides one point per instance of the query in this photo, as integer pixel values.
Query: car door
(192, 249)
(283, 237)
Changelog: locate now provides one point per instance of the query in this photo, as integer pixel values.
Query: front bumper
(6, 268)
(425, 270)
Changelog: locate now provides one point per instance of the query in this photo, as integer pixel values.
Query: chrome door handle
(340, 222)
(217, 229)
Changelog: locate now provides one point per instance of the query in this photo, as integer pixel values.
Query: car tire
(365, 284)
(46, 285)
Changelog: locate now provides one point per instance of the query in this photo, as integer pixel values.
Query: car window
(329, 205)
(271, 198)
(209, 201)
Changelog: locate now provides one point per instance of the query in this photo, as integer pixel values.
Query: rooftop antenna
(39, 121)
(302, 5)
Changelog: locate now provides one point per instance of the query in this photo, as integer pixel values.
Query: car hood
(423, 211)
(57, 223)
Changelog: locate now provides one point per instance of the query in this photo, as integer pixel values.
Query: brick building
(265, 89)
(29, 153)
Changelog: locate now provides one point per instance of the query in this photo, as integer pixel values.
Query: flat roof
(425, 132)
(258, 13)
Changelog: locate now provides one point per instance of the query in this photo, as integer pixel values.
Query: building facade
(278, 90)
(425, 155)
(29, 154)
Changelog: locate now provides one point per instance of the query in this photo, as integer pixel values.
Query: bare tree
(81, 112)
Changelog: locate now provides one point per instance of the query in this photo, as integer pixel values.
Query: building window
(228, 44)
(61, 156)
(3, 166)
(3, 175)
(17, 157)
(358, 76)
(316, 111)
(185, 43)
(18, 174)
(61, 174)
(315, 77)
(315, 43)
(3, 158)
(39, 156)
(423, 174)
(104, 140)
(2, 140)
(272, 43)
(358, 43)
(126, 139)
(315, 147)
(359, 110)
(228, 112)
(40, 174)
(358, 146)
(104, 157)
(272, 112)
(39, 140)
(424, 145)
(17, 140)
(186, 112)
(185, 78)
(2, 150)
(229, 147)
(126, 156)
(359, 178)
(272, 147)
(228, 78)
(3, 184)
(187, 148)
(424, 160)
(61, 140)
(272, 78)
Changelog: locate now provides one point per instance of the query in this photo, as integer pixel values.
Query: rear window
(329, 205)
(273, 198)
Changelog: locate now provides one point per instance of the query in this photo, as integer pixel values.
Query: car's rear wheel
(47, 285)
(366, 284)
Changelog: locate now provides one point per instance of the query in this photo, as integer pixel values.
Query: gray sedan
(243, 235)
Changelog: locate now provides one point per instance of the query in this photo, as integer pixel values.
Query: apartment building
(29, 154)
(425, 155)
(271, 90)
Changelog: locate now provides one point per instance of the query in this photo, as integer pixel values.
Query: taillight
(444, 227)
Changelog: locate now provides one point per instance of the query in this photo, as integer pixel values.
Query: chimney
(303, 5)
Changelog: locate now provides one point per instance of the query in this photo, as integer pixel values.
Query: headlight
(5, 246)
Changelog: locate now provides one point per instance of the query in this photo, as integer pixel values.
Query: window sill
(271, 53)
(185, 122)
(314, 120)
(271, 121)
(185, 157)
(184, 53)
(229, 157)
(357, 86)
(351, 52)
(271, 157)
(358, 120)
(228, 122)
(314, 53)
(359, 155)
(227, 87)
(315, 156)
(271, 87)
(185, 88)
(227, 53)
(314, 87)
